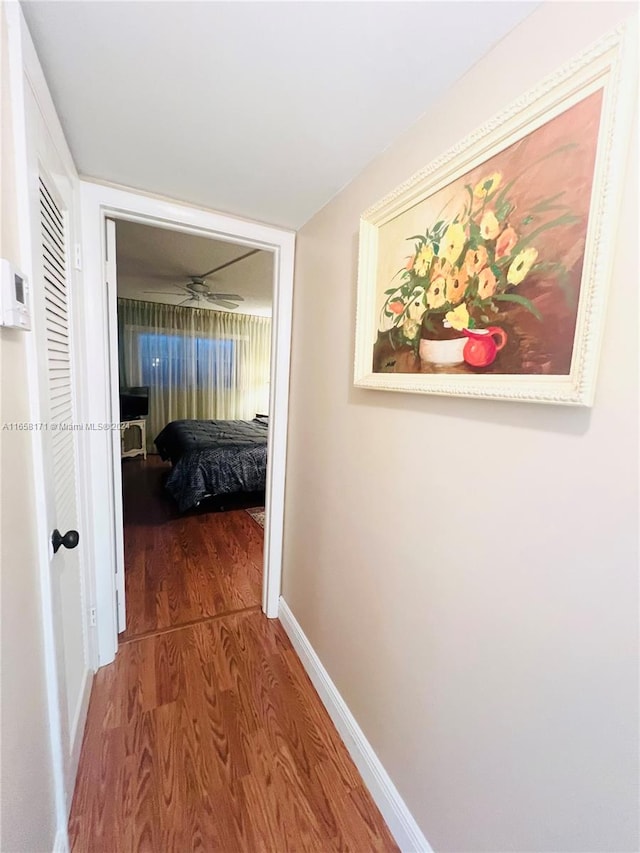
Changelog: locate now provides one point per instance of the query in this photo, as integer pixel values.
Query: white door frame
(100, 202)
(27, 81)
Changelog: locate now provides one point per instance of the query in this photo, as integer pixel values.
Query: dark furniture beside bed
(224, 462)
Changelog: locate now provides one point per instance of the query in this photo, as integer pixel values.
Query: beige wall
(27, 805)
(467, 570)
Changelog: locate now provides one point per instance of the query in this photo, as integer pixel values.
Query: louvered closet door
(58, 351)
(60, 439)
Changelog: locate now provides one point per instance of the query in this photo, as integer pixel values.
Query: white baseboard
(77, 736)
(61, 842)
(400, 821)
(79, 722)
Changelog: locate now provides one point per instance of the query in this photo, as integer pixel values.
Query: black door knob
(69, 540)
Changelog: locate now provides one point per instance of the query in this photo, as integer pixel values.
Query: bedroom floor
(183, 568)
(206, 733)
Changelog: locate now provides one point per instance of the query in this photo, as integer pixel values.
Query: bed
(211, 459)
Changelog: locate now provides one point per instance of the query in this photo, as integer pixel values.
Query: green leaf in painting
(521, 300)
(469, 189)
(567, 219)
(548, 204)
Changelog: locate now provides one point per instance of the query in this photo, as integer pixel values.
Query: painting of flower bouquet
(492, 282)
(478, 276)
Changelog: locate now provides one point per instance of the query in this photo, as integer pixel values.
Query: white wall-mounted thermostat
(15, 304)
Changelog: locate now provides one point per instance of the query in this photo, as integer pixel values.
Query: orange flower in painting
(506, 241)
(475, 260)
(486, 284)
(489, 226)
(441, 266)
(436, 297)
(397, 306)
(457, 285)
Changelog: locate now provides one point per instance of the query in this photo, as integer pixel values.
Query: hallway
(209, 735)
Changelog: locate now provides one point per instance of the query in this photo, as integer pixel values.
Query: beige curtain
(197, 363)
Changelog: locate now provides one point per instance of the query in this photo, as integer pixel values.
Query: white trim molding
(61, 842)
(400, 821)
(99, 202)
(79, 723)
(29, 96)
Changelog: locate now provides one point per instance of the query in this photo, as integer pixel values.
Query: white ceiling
(260, 109)
(159, 260)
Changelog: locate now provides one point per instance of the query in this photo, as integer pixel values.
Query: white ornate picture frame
(486, 274)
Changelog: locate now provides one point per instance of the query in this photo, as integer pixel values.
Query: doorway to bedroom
(193, 361)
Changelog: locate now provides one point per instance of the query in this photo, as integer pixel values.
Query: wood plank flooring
(210, 736)
(183, 568)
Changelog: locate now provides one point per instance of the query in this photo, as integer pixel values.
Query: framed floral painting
(486, 273)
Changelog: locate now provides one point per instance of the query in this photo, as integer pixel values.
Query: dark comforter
(213, 458)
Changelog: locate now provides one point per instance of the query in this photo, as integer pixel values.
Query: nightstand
(133, 438)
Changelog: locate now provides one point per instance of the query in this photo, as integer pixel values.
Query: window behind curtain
(194, 362)
(197, 363)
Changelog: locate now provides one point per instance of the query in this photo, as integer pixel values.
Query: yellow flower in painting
(487, 185)
(489, 226)
(422, 261)
(521, 265)
(436, 294)
(410, 329)
(457, 285)
(486, 284)
(506, 242)
(458, 318)
(453, 242)
(475, 260)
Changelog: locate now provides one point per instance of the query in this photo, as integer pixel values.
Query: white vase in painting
(443, 353)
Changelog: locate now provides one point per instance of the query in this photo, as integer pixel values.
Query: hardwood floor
(210, 736)
(183, 568)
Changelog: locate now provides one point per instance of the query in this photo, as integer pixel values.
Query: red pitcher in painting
(481, 348)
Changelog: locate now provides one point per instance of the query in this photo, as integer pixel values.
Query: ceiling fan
(198, 290)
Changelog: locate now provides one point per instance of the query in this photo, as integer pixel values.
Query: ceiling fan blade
(229, 263)
(163, 292)
(235, 297)
(224, 302)
(186, 301)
